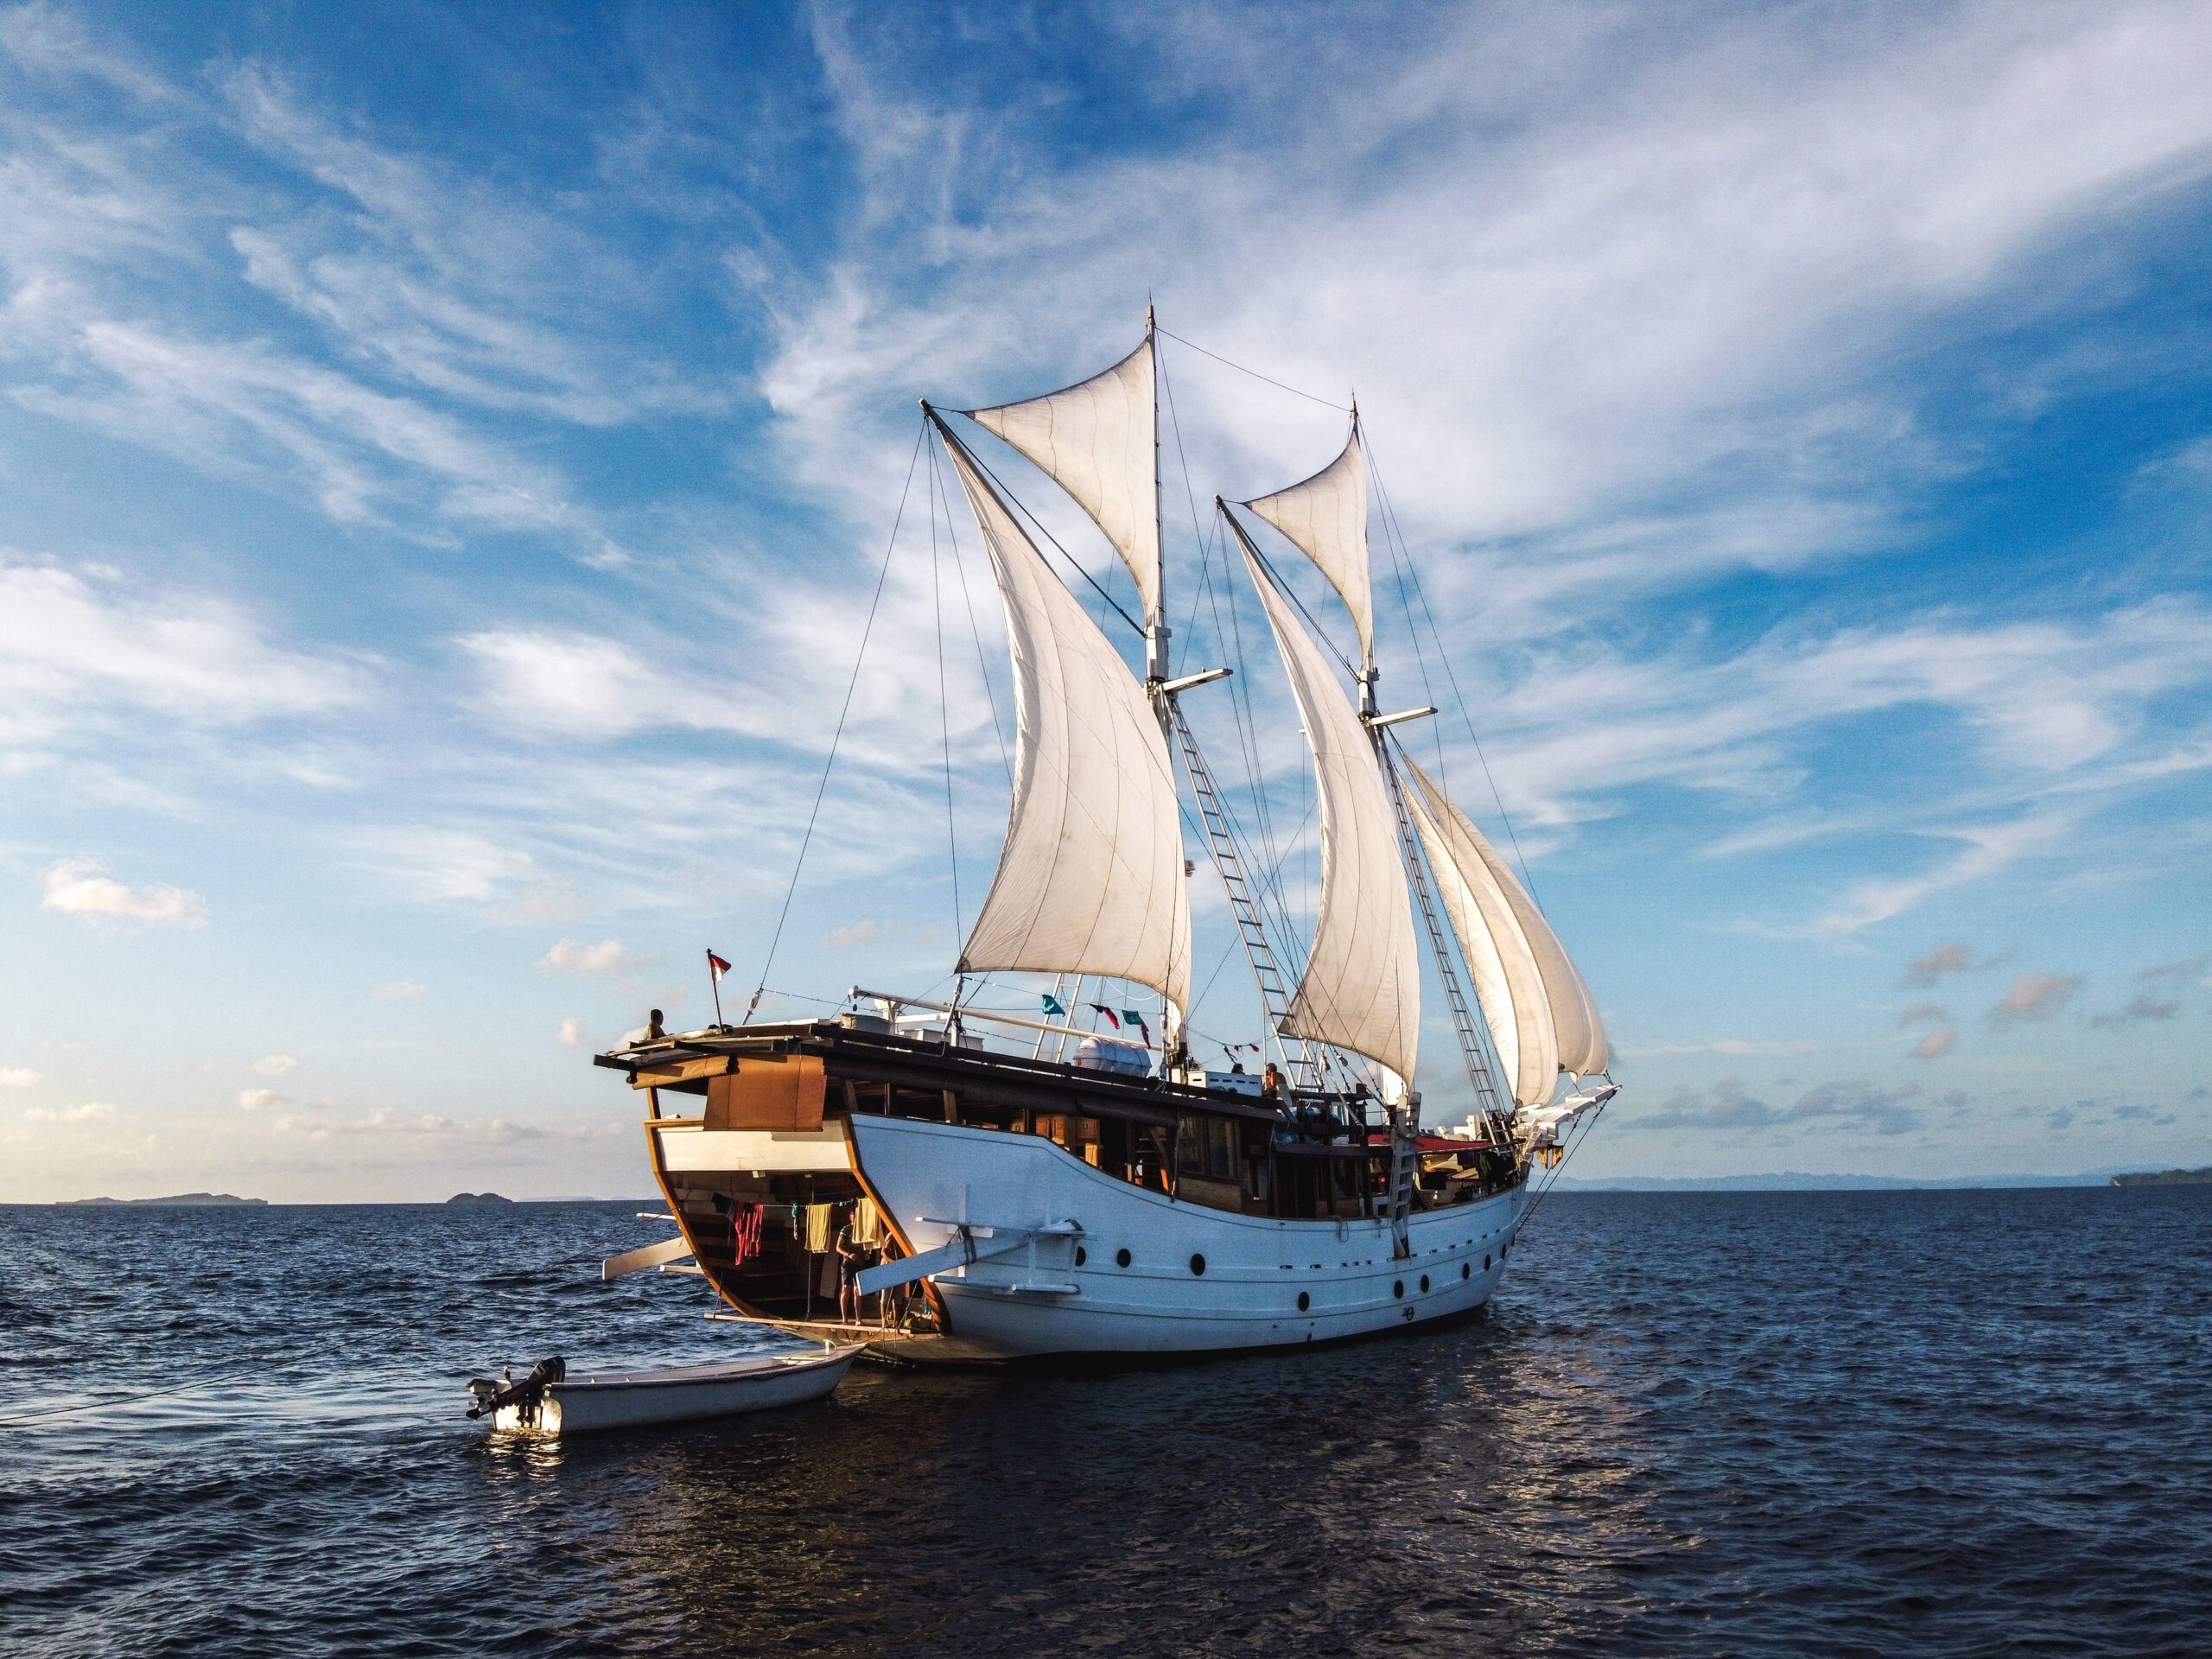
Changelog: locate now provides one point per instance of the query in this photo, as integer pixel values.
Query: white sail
(1326, 517)
(1508, 982)
(1097, 440)
(1580, 1033)
(1090, 880)
(1361, 990)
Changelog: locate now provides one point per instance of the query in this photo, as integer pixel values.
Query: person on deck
(654, 1031)
(852, 1256)
(1271, 1084)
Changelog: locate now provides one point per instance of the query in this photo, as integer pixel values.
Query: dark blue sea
(1804, 1423)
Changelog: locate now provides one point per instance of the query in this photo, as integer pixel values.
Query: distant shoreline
(230, 1201)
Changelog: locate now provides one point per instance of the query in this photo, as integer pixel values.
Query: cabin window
(1399, 1289)
(1121, 1258)
(1305, 1301)
(1206, 1147)
(1466, 1270)
(1485, 1260)
(1198, 1266)
(1424, 1283)
(1081, 1255)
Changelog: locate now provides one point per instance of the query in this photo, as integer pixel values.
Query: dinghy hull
(596, 1404)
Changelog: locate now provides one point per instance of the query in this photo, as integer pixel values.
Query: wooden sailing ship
(1123, 1198)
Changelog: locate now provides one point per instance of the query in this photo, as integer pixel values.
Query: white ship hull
(1195, 1280)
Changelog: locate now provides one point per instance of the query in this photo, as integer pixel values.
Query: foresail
(1092, 878)
(1508, 982)
(1361, 990)
(1096, 440)
(1326, 517)
(1580, 1033)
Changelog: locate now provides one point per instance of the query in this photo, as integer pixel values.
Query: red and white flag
(716, 966)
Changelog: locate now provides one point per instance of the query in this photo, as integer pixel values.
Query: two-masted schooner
(1123, 1198)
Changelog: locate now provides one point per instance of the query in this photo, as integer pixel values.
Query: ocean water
(1833, 1423)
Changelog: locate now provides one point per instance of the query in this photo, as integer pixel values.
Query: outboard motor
(492, 1397)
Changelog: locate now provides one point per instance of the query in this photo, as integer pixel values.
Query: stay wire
(852, 686)
(1466, 717)
(1325, 402)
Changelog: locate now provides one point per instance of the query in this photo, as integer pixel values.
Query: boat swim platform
(881, 1344)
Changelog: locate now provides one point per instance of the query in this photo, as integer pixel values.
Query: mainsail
(1326, 517)
(1090, 880)
(1578, 1033)
(1097, 440)
(1361, 990)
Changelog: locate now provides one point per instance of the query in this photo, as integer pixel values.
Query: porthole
(1485, 1260)
(1305, 1301)
(1399, 1289)
(1424, 1283)
(1466, 1269)
(1081, 1255)
(1198, 1266)
(1121, 1258)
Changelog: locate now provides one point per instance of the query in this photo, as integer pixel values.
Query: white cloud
(18, 1077)
(276, 1065)
(76, 886)
(568, 956)
(400, 990)
(572, 1033)
(91, 1111)
(261, 1100)
(865, 931)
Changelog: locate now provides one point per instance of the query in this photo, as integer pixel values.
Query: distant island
(177, 1199)
(478, 1198)
(2166, 1178)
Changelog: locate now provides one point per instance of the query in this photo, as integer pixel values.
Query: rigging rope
(835, 737)
(132, 1399)
(1075, 563)
(960, 570)
(944, 710)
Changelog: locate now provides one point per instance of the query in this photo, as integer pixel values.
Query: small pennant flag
(716, 966)
(1052, 1006)
(1137, 1020)
(1100, 1008)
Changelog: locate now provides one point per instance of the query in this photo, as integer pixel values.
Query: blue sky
(445, 452)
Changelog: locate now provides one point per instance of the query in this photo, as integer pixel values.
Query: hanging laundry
(821, 1225)
(745, 1221)
(867, 1225)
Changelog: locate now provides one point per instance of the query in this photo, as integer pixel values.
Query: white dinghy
(549, 1401)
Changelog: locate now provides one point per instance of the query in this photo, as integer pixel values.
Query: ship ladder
(1405, 1162)
(1462, 1019)
(1305, 1070)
